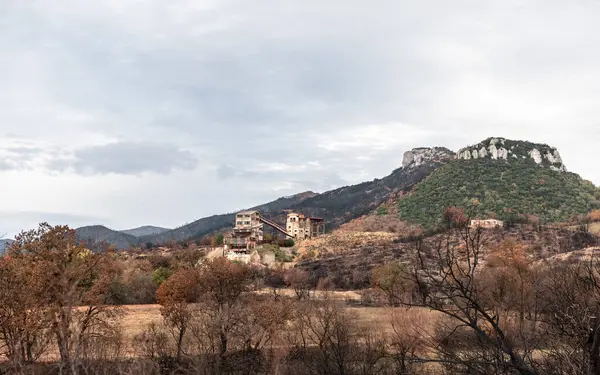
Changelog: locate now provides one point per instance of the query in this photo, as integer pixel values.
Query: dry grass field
(137, 317)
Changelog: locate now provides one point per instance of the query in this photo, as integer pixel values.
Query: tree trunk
(180, 343)
(593, 348)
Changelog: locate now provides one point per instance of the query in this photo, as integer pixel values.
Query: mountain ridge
(419, 165)
(145, 230)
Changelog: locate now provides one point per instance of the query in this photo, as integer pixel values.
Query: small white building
(486, 223)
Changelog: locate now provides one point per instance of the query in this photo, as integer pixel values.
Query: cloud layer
(153, 112)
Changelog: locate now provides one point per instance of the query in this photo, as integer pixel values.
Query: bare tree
(450, 284)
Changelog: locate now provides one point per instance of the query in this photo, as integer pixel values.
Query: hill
(346, 203)
(96, 234)
(214, 223)
(348, 258)
(147, 230)
(4, 244)
(504, 184)
(499, 177)
(336, 206)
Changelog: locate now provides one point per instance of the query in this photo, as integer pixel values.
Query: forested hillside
(499, 188)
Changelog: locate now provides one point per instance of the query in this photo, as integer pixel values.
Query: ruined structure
(248, 231)
(303, 227)
(249, 226)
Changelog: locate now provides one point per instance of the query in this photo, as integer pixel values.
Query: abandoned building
(302, 227)
(248, 231)
(249, 226)
(486, 223)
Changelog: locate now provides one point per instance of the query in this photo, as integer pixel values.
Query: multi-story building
(249, 225)
(248, 231)
(302, 227)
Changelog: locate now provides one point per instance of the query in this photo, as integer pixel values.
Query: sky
(135, 112)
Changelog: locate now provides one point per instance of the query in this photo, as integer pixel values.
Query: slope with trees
(496, 188)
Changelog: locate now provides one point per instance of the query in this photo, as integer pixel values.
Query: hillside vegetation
(501, 189)
(146, 230)
(336, 206)
(95, 234)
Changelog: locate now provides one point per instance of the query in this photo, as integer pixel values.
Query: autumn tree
(222, 284)
(455, 217)
(175, 296)
(23, 330)
(594, 216)
(76, 283)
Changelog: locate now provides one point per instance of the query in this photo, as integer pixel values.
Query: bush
(160, 275)
(288, 242)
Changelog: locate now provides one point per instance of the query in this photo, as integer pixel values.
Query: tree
(175, 296)
(451, 284)
(326, 339)
(23, 330)
(571, 308)
(72, 276)
(455, 217)
(160, 275)
(392, 281)
(222, 284)
(298, 280)
(218, 239)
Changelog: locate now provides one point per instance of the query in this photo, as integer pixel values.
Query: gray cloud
(12, 222)
(132, 158)
(284, 96)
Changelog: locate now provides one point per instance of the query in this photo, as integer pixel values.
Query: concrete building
(487, 223)
(248, 231)
(302, 227)
(249, 226)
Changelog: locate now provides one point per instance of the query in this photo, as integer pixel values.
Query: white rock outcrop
(536, 156)
(419, 156)
(503, 149)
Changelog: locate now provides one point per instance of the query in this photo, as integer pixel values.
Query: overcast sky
(132, 112)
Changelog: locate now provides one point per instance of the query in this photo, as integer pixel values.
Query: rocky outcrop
(506, 149)
(424, 155)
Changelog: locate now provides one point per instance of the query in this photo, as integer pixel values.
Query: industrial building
(249, 229)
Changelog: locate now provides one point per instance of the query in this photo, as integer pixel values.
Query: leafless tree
(450, 284)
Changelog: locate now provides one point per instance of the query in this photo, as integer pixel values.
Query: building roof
(250, 212)
(314, 218)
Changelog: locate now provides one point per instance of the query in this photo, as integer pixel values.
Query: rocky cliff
(424, 155)
(506, 149)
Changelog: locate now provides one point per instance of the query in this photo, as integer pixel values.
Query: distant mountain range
(147, 230)
(4, 244)
(502, 177)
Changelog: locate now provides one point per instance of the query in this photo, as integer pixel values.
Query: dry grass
(339, 242)
(137, 317)
(595, 228)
